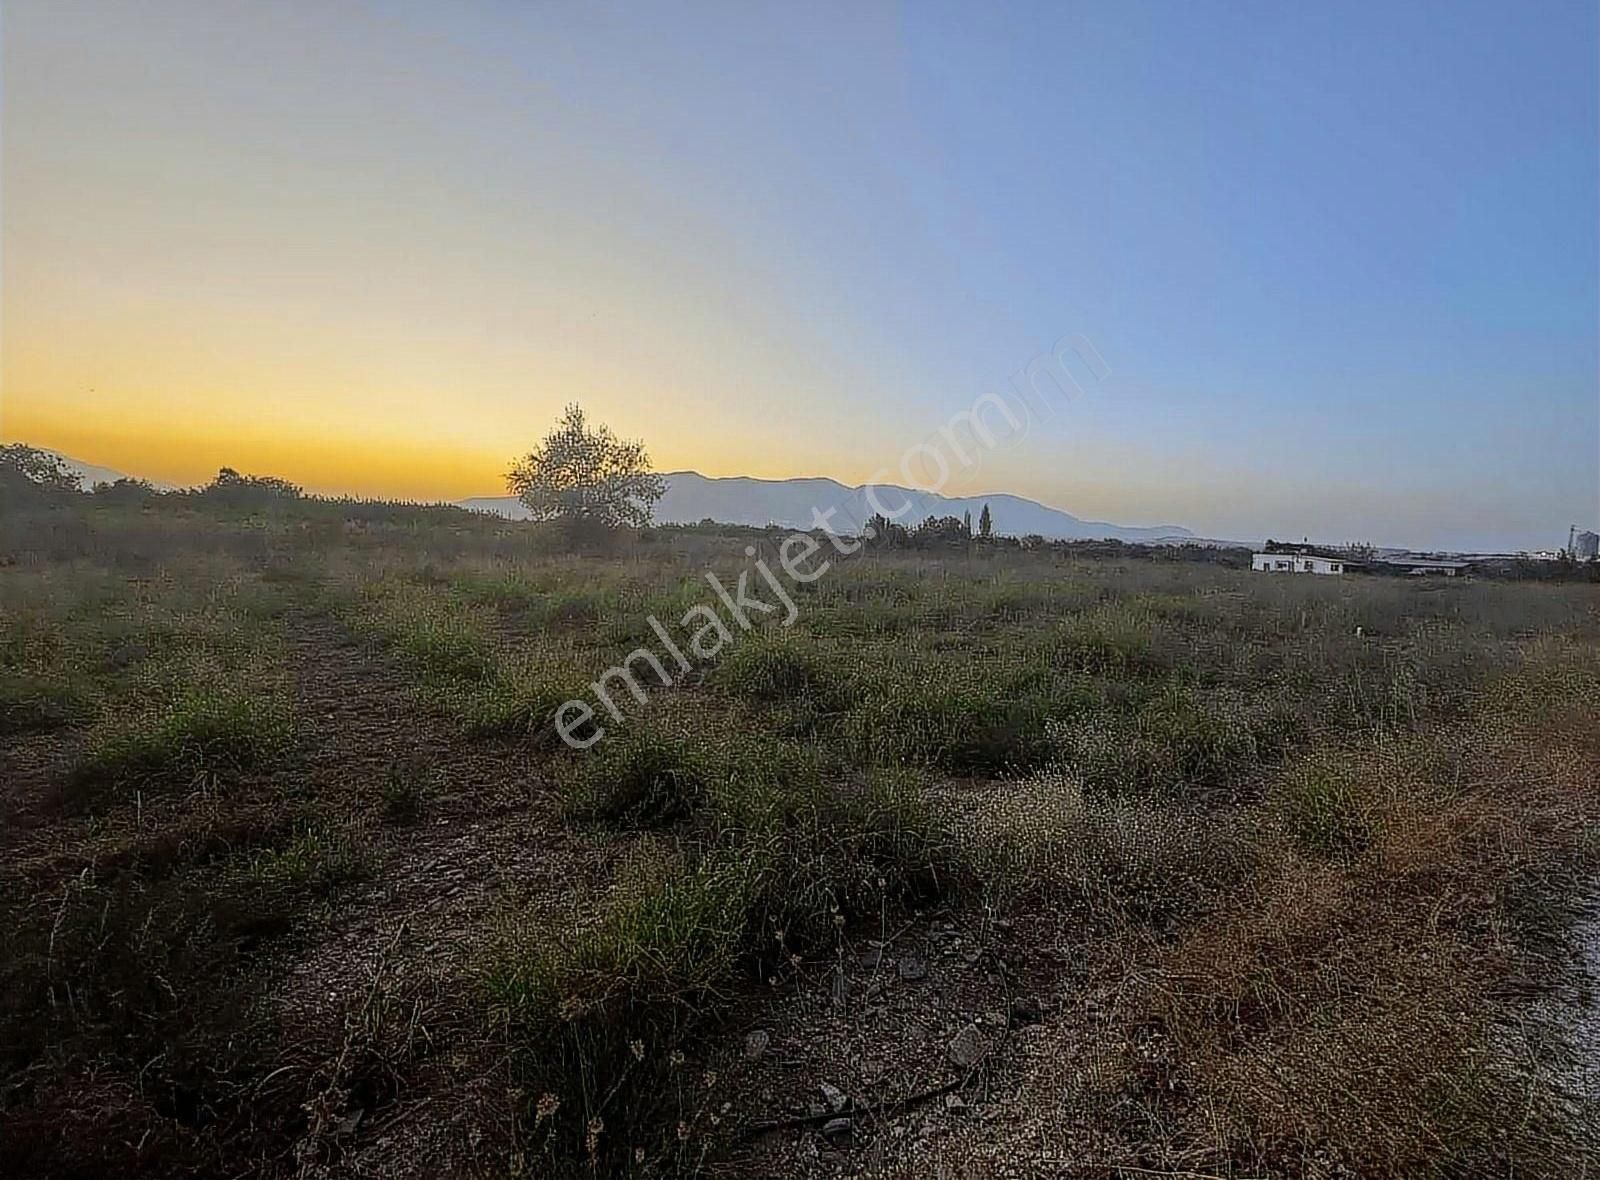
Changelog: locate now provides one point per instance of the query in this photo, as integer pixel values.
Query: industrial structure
(1582, 545)
(1413, 564)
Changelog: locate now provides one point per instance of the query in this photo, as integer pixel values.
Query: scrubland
(994, 862)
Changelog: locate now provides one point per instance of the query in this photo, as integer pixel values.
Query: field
(1054, 862)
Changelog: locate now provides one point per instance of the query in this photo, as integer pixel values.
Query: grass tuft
(638, 777)
(203, 737)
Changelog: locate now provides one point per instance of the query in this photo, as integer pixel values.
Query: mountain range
(89, 475)
(791, 503)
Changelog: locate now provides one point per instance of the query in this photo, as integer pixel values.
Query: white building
(1296, 563)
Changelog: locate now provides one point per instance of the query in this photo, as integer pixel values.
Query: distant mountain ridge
(89, 475)
(790, 503)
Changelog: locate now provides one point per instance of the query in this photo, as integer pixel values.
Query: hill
(791, 503)
(89, 474)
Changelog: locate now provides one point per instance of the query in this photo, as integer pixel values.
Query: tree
(938, 531)
(29, 474)
(883, 533)
(985, 523)
(124, 491)
(249, 492)
(586, 476)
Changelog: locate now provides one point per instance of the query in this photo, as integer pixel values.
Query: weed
(1324, 805)
(404, 794)
(1111, 861)
(957, 727)
(41, 701)
(203, 737)
(158, 981)
(638, 777)
(782, 668)
(596, 1019)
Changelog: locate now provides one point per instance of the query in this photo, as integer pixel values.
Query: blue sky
(1341, 259)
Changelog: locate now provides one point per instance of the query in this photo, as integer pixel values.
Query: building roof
(1323, 552)
(1426, 562)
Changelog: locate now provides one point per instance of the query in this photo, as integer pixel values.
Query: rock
(838, 1130)
(954, 1102)
(913, 968)
(967, 1047)
(755, 1043)
(997, 1019)
(1027, 1010)
(837, 1099)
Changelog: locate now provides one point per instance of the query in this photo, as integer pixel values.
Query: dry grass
(1326, 837)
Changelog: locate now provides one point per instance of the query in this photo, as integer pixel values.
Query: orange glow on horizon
(363, 464)
(327, 465)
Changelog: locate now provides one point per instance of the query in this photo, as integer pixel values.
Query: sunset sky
(1341, 259)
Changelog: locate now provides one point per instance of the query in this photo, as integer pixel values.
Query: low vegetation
(1314, 847)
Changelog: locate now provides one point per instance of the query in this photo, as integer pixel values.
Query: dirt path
(416, 1086)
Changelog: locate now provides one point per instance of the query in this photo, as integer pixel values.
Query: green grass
(640, 777)
(1325, 806)
(160, 978)
(520, 698)
(428, 631)
(776, 864)
(955, 723)
(783, 667)
(596, 1019)
(202, 738)
(47, 699)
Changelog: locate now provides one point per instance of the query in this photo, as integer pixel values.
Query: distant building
(1298, 563)
(1419, 566)
(1586, 546)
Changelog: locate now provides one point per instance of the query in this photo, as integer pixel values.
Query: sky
(1342, 261)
